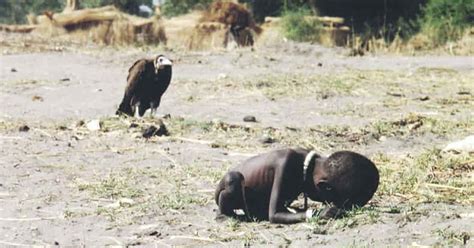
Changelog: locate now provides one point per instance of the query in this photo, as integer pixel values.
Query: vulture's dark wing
(136, 74)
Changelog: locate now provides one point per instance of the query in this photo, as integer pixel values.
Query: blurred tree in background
(15, 11)
(129, 6)
(179, 7)
(446, 20)
(443, 20)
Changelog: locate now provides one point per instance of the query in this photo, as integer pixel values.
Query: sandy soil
(61, 184)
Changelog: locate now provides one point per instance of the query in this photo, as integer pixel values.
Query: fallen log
(106, 13)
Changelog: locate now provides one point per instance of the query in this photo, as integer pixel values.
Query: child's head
(345, 179)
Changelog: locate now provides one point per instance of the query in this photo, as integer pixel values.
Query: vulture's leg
(152, 109)
(137, 112)
(154, 106)
(142, 109)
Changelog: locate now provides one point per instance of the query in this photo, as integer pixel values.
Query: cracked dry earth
(62, 184)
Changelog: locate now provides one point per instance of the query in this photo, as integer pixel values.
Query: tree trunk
(71, 5)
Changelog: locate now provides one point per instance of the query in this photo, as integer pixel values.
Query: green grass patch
(446, 20)
(180, 7)
(432, 176)
(131, 193)
(114, 186)
(298, 25)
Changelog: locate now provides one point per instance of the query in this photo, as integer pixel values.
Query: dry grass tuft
(214, 27)
(207, 35)
(230, 14)
(105, 25)
(432, 176)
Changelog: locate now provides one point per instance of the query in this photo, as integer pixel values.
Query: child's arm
(277, 212)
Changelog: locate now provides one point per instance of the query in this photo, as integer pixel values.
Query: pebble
(152, 130)
(250, 118)
(267, 140)
(24, 128)
(93, 125)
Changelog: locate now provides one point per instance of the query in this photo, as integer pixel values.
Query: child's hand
(309, 213)
(331, 212)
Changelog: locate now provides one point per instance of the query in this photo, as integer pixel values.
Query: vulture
(147, 80)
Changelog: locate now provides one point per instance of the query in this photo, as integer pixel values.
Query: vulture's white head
(161, 62)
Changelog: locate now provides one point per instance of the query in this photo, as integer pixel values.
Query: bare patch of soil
(62, 184)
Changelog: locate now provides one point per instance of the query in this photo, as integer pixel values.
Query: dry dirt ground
(62, 184)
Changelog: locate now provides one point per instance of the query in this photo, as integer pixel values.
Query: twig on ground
(42, 132)
(241, 154)
(204, 142)
(31, 219)
(16, 244)
(161, 242)
(11, 137)
(264, 237)
(163, 153)
(443, 186)
(197, 238)
(115, 240)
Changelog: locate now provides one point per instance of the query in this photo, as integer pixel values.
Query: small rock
(13, 70)
(62, 128)
(77, 137)
(465, 145)
(80, 123)
(395, 94)
(133, 125)
(294, 129)
(153, 233)
(122, 202)
(56, 243)
(64, 79)
(37, 98)
(24, 128)
(153, 130)
(267, 140)
(424, 98)
(222, 76)
(126, 201)
(415, 125)
(320, 64)
(250, 118)
(93, 125)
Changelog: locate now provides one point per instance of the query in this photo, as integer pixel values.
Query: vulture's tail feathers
(124, 107)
